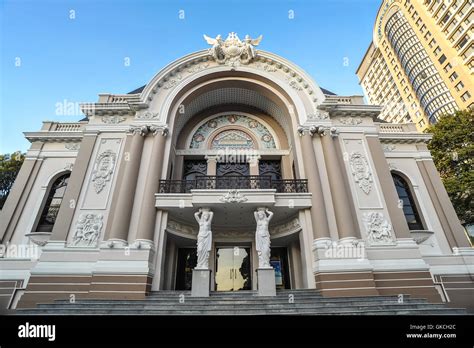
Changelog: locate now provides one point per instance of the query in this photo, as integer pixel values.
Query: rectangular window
(463, 42)
(421, 123)
(432, 43)
(447, 67)
(445, 18)
(423, 28)
(466, 96)
(459, 86)
(437, 51)
(453, 76)
(442, 59)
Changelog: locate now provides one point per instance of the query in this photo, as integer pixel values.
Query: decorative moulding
(72, 146)
(113, 119)
(233, 196)
(350, 121)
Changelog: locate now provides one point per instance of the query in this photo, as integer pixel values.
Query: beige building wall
(440, 41)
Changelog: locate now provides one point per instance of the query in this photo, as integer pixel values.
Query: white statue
(232, 51)
(262, 237)
(204, 239)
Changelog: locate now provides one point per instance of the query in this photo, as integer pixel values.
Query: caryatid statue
(262, 237)
(204, 240)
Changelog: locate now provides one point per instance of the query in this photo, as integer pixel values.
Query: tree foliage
(452, 148)
(10, 165)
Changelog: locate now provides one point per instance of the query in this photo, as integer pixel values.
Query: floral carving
(148, 116)
(389, 147)
(72, 146)
(103, 169)
(361, 171)
(320, 115)
(113, 119)
(233, 196)
(351, 121)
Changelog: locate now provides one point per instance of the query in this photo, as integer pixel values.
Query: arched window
(409, 206)
(52, 204)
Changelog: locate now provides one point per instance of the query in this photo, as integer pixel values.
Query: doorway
(187, 260)
(233, 269)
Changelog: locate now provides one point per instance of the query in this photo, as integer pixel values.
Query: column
(253, 161)
(319, 220)
(123, 210)
(444, 208)
(211, 164)
(399, 223)
(147, 220)
(78, 174)
(340, 197)
(13, 207)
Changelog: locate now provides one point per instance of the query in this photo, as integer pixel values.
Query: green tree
(452, 148)
(10, 165)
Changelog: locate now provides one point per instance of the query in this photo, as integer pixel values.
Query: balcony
(252, 182)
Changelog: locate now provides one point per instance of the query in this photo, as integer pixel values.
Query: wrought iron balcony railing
(252, 182)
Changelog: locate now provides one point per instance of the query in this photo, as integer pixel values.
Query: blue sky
(52, 51)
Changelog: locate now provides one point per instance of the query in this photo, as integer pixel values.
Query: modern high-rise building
(420, 64)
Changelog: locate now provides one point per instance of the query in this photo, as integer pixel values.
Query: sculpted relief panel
(361, 175)
(102, 173)
(88, 231)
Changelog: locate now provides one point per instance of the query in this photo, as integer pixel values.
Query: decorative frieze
(88, 230)
(361, 171)
(350, 121)
(113, 119)
(233, 196)
(318, 116)
(103, 169)
(72, 146)
(389, 147)
(148, 116)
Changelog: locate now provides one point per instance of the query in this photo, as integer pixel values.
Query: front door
(233, 269)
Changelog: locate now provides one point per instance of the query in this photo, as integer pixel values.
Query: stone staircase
(287, 302)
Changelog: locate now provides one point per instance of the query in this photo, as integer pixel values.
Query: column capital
(138, 130)
(312, 130)
(162, 130)
(212, 158)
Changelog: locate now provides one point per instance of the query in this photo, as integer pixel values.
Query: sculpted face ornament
(232, 51)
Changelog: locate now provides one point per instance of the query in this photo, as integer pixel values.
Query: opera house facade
(230, 170)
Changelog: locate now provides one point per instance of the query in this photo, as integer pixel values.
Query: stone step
(242, 304)
(214, 306)
(363, 311)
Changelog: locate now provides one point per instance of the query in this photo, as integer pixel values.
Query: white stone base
(266, 282)
(201, 285)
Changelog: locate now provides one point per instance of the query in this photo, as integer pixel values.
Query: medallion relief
(361, 171)
(103, 169)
